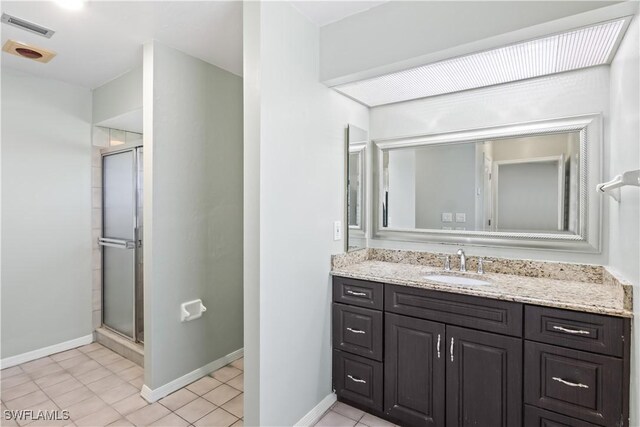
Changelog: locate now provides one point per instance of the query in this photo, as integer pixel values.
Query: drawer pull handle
(451, 349)
(356, 380)
(572, 331)
(438, 346)
(570, 384)
(356, 331)
(357, 294)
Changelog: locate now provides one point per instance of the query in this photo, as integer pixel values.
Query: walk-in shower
(121, 241)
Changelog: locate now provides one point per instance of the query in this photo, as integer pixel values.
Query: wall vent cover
(27, 26)
(26, 51)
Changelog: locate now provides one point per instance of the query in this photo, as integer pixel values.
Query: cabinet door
(414, 370)
(484, 379)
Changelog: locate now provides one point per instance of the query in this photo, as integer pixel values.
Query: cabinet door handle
(451, 350)
(356, 380)
(357, 294)
(438, 346)
(569, 383)
(356, 331)
(572, 331)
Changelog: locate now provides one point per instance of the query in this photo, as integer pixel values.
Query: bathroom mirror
(526, 185)
(355, 187)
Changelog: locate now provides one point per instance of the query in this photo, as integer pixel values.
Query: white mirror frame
(360, 149)
(590, 202)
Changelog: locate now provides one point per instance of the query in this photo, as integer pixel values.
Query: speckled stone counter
(601, 293)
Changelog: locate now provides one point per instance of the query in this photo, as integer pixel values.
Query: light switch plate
(337, 230)
(447, 217)
(461, 217)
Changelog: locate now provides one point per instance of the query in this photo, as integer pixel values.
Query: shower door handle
(116, 243)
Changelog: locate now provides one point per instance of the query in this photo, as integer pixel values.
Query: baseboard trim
(8, 362)
(314, 415)
(156, 394)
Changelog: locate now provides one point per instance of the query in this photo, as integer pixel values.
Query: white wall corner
(156, 394)
(8, 362)
(314, 415)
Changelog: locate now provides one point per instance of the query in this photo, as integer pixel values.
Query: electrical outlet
(461, 217)
(337, 230)
(447, 217)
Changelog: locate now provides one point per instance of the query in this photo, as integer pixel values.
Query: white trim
(156, 394)
(8, 362)
(314, 415)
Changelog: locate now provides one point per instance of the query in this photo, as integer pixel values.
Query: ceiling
(104, 39)
(325, 12)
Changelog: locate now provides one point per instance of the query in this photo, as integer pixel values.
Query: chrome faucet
(463, 260)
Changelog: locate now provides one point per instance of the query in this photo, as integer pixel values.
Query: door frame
(119, 149)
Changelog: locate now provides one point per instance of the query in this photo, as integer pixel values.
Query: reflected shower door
(119, 241)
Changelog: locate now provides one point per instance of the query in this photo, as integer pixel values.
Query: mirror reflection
(356, 145)
(525, 184)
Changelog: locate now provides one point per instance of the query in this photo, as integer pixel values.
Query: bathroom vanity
(520, 351)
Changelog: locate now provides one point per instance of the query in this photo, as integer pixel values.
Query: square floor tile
(130, 404)
(9, 372)
(171, 420)
(178, 399)
(53, 379)
(221, 394)
(74, 396)
(65, 355)
(217, 418)
(121, 423)
(62, 387)
(73, 362)
(226, 373)
(85, 407)
(131, 373)
(239, 423)
(105, 384)
(203, 385)
(148, 414)
(82, 366)
(34, 365)
(120, 365)
(137, 382)
(235, 406)
(373, 421)
(93, 375)
(118, 393)
(237, 382)
(103, 417)
(12, 381)
(347, 411)
(238, 363)
(90, 347)
(26, 401)
(333, 419)
(19, 390)
(196, 409)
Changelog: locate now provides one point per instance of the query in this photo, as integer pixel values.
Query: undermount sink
(456, 280)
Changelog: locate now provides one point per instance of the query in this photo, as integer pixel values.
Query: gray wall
(445, 182)
(294, 162)
(46, 213)
(119, 96)
(527, 197)
(624, 155)
(193, 212)
(402, 188)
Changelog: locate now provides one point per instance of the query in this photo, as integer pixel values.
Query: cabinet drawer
(357, 330)
(582, 331)
(358, 292)
(490, 315)
(574, 383)
(358, 379)
(536, 417)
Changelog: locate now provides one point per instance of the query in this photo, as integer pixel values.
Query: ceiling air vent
(26, 51)
(27, 26)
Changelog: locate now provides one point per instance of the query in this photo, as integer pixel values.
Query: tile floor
(99, 387)
(342, 415)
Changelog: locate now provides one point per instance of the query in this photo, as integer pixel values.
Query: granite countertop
(610, 299)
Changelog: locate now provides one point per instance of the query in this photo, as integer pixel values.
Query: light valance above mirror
(527, 185)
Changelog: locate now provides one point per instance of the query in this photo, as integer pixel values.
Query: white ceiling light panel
(580, 48)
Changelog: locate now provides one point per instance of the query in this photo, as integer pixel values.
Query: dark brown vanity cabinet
(419, 357)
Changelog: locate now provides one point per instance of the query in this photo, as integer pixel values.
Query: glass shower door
(118, 241)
